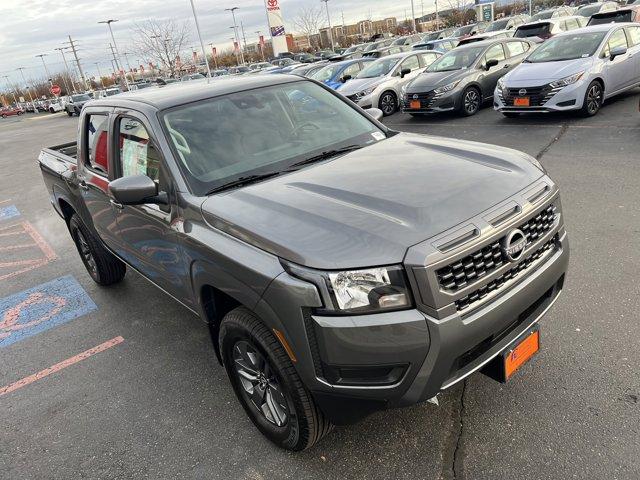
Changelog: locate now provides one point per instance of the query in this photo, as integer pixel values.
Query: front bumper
(567, 98)
(431, 102)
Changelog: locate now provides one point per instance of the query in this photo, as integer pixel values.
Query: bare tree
(308, 21)
(161, 41)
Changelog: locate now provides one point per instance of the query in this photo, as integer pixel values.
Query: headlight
(500, 84)
(567, 80)
(446, 88)
(368, 290)
(366, 91)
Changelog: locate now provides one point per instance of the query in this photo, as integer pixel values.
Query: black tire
(511, 114)
(102, 265)
(69, 113)
(4, 115)
(388, 103)
(593, 98)
(470, 102)
(293, 422)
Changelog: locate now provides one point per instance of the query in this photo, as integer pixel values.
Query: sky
(33, 27)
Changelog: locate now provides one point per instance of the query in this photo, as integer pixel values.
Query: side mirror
(404, 71)
(345, 78)
(136, 190)
(491, 63)
(375, 113)
(616, 52)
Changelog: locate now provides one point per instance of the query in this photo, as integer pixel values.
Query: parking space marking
(8, 212)
(41, 308)
(61, 365)
(26, 250)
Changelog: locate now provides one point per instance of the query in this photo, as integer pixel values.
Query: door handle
(506, 66)
(119, 206)
(83, 185)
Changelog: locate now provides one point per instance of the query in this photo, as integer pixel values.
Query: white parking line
(51, 115)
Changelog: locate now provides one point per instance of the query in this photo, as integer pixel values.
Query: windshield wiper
(324, 155)
(238, 182)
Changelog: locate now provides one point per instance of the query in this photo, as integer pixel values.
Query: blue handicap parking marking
(40, 308)
(8, 212)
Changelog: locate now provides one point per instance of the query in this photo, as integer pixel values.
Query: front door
(490, 77)
(620, 71)
(149, 241)
(94, 173)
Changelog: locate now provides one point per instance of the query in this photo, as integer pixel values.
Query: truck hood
(367, 207)
(429, 80)
(545, 72)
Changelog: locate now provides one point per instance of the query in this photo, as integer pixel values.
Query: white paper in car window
(378, 136)
(134, 158)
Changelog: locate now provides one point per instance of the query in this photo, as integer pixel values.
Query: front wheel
(470, 102)
(388, 103)
(592, 99)
(267, 385)
(102, 265)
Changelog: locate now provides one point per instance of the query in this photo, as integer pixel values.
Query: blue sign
(40, 308)
(8, 212)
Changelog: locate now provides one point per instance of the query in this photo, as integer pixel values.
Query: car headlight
(500, 84)
(563, 82)
(368, 290)
(446, 88)
(366, 91)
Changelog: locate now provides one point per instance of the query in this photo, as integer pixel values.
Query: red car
(8, 111)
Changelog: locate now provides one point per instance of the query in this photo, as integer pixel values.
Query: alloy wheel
(259, 384)
(387, 104)
(594, 98)
(87, 256)
(471, 101)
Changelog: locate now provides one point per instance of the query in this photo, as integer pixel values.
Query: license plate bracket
(518, 353)
(521, 102)
(414, 104)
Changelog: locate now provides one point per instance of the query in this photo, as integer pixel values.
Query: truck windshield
(567, 47)
(263, 131)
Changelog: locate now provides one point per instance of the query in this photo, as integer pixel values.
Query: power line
(75, 54)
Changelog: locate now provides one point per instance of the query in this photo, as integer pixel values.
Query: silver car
(379, 84)
(576, 70)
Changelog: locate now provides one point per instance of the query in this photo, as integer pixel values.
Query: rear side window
(138, 156)
(97, 134)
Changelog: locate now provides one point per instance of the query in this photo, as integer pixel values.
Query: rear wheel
(388, 103)
(470, 101)
(102, 265)
(592, 99)
(267, 384)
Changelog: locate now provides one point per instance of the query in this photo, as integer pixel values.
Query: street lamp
(21, 70)
(235, 29)
(46, 70)
(113, 39)
(326, 4)
(204, 53)
(97, 64)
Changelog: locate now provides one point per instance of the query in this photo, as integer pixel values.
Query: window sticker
(134, 158)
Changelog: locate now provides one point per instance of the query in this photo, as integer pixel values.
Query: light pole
(326, 4)
(97, 64)
(204, 53)
(15, 100)
(46, 70)
(66, 67)
(235, 49)
(261, 45)
(35, 110)
(235, 29)
(215, 60)
(126, 59)
(413, 18)
(115, 46)
(437, 19)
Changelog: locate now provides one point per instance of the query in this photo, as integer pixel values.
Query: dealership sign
(276, 26)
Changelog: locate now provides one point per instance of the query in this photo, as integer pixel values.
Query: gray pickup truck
(342, 267)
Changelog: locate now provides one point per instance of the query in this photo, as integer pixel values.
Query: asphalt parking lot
(152, 402)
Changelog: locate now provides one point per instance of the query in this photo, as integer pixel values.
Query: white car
(55, 105)
(379, 84)
(576, 70)
(541, 30)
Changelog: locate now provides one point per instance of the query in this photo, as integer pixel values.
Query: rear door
(148, 232)
(633, 41)
(95, 170)
(620, 71)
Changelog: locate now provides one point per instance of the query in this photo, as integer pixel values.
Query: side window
(515, 48)
(496, 52)
(97, 127)
(410, 62)
(138, 156)
(617, 39)
(352, 70)
(634, 36)
(428, 58)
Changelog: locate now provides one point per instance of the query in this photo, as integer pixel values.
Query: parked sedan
(576, 70)
(335, 74)
(383, 52)
(10, 111)
(508, 23)
(380, 83)
(544, 29)
(630, 13)
(307, 69)
(552, 13)
(75, 103)
(470, 30)
(464, 78)
(442, 46)
(592, 8)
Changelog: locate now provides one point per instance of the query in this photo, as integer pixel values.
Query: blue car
(335, 74)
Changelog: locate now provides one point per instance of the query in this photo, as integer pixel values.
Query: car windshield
(80, 98)
(567, 47)
(265, 131)
(466, 30)
(611, 17)
(547, 14)
(378, 68)
(588, 10)
(456, 59)
(497, 25)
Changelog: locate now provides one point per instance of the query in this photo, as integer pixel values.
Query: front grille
(482, 262)
(538, 96)
(427, 99)
(468, 300)
(353, 98)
